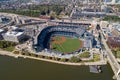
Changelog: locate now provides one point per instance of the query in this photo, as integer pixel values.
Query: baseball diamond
(63, 39)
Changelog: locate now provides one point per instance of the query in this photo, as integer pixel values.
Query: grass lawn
(96, 57)
(9, 49)
(70, 45)
(7, 45)
(84, 55)
(118, 54)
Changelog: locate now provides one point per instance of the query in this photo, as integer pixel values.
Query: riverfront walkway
(53, 61)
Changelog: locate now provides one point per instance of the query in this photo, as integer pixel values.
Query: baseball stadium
(63, 39)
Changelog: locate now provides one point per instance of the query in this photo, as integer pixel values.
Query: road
(111, 58)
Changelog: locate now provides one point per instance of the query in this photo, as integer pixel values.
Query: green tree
(63, 59)
(16, 52)
(7, 45)
(96, 57)
(118, 54)
(74, 59)
(43, 13)
(84, 55)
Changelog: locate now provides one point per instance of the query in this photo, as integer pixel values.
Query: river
(28, 69)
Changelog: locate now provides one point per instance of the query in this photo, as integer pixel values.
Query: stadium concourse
(41, 42)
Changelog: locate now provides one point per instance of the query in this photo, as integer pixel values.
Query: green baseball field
(65, 44)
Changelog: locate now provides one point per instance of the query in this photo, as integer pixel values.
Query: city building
(104, 24)
(13, 27)
(77, 13)
(115, 29)
(112, 34)
(13, 36)
(114, 42)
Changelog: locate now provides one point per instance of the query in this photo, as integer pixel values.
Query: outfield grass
(70, 45)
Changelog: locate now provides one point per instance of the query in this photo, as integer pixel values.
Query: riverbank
(6, 53)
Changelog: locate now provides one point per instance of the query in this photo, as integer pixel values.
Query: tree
(74, 59)
(118, 54)
(54, 58)
(47, 57)
(40, 56)
(63, 59)
(43, 13)
(96, 57)
(115, 51)
(26, 53)
(84, 55)
(7, 45)
(48, 11)
(16, 52)
(32, 54)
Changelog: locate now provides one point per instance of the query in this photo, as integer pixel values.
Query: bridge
(111, 59)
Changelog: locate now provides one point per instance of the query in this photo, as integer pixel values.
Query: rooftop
(13, 33)
(13, 27)
(116, 26)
